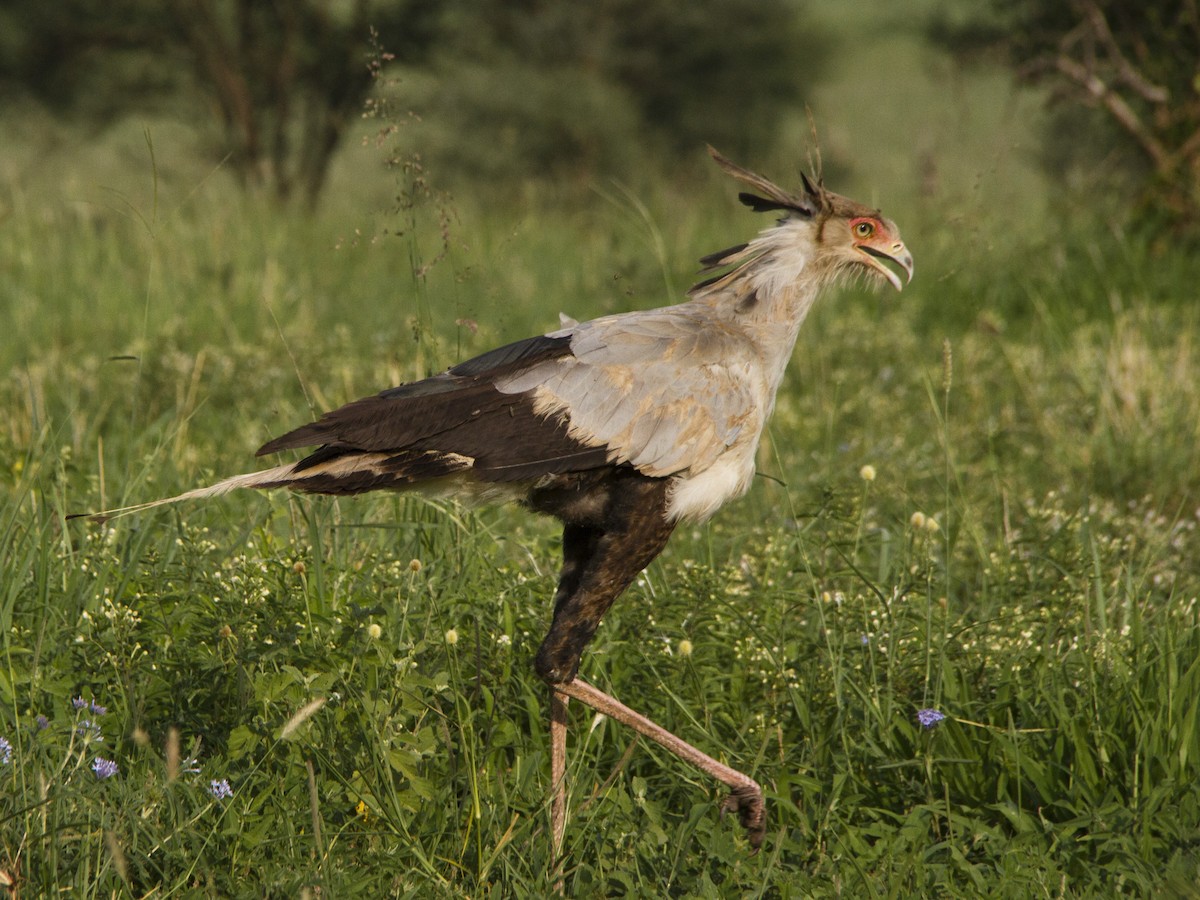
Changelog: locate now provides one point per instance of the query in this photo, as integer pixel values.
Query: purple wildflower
(97, 709)
(104, 768)
(88, 729)
(78, 702)
(929, 717)
(865, 640)
(220, 789)
(5, 752)
(42, 723)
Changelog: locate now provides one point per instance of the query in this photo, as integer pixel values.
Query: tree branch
(1126, 72)
(1125, 115)
(1189, 148)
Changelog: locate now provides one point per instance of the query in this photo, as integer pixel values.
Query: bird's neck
(773, 324)
(767, 299)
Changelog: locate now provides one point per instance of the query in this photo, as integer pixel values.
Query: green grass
(154, 339)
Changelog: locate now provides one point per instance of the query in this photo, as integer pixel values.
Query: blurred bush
(501, 89)
(576, 87)
(1123, 88)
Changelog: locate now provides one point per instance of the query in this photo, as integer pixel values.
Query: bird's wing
(666, 391)
(453, 421)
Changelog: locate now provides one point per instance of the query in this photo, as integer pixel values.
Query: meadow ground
(980, 497)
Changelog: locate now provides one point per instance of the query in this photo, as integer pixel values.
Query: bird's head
(849, 238)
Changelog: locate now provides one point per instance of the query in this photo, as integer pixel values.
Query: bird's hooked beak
(876, 251)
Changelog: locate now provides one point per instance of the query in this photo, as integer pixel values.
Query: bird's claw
(747, 802)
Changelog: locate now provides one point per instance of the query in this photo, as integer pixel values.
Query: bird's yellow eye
(864, 229)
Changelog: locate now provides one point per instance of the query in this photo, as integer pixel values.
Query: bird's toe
(747, 802)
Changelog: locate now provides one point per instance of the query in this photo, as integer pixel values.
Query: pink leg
(558, 770)
(745, 796)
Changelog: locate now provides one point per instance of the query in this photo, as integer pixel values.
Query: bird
(621, 427)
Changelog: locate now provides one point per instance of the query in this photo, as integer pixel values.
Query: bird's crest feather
(768, 196)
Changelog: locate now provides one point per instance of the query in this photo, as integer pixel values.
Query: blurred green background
(218, 219)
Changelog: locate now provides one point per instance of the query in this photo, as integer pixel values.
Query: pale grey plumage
(667, 391)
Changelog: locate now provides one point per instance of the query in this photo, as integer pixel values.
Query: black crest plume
(769, 197)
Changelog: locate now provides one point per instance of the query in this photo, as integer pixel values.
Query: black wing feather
(517, 355)
(713, 260)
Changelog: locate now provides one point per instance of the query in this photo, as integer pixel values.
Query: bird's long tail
(334, 471)
(268, 478)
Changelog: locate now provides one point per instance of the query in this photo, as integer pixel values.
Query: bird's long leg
(609, 535)
(625, 527)
(745, 797)
(558, 769)
(579, 545)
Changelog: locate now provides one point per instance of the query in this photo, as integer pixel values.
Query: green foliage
(1125, 77)
(377, 719)
(283, 80)
(569, 86)
(495, 89)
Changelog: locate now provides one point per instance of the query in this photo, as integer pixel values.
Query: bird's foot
(747, 802)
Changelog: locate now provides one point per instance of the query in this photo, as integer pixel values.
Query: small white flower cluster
(921, 522)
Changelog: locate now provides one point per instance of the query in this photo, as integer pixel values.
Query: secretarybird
(621, 428)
